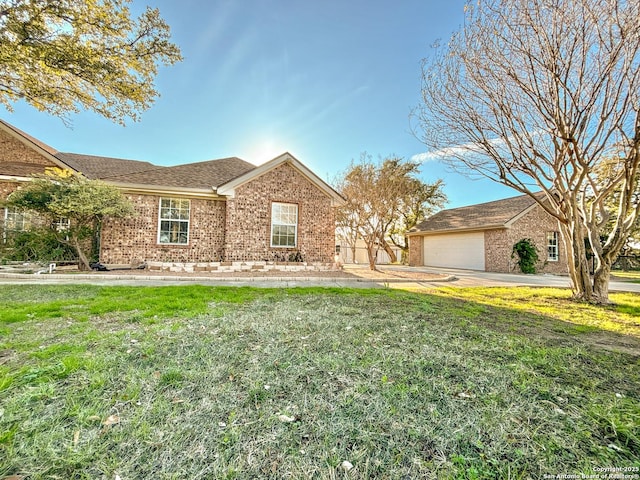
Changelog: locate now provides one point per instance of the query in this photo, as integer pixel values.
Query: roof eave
(166, 190)
(15, 178)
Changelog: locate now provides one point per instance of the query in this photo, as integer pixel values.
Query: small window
(61, 224)
(284, 224)
(174, 221)
(552, 246)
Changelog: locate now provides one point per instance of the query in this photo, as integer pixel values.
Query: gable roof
(220, 176)
(229, 187)
(18, 168)
(27, 139)
(483, 216)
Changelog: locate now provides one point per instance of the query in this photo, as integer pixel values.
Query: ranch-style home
(481, 237)
(214, 212)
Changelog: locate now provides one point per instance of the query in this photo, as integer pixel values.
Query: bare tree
(535, 94)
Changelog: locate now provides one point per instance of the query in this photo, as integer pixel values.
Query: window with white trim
(284, 224)
(17, 220)
(173, 221)
(552, 246)
(61, 224)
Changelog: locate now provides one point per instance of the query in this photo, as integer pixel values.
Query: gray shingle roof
(96, 167)
(476, 217)
(212, 173)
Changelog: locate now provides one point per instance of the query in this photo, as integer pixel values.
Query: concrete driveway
(473, 278)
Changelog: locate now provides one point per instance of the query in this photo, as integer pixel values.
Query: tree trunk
(83, 261)
(371, 254)
(601, 283)
(387, 248)
(577, 262)
(593, 290)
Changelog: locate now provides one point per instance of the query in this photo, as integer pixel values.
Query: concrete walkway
(440, 277)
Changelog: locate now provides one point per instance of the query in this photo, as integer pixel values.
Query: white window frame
(9, 223)
(61, 224)
(173, 214)
(553, 248)
(284, 215)
(21, 220)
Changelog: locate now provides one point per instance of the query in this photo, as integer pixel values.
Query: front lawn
(202, 382)
(632, 276)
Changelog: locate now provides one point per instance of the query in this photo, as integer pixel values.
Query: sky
(324, 80)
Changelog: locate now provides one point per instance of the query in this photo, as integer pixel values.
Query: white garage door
(455, 250)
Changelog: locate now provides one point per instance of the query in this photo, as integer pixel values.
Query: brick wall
(416, 250)
(15, 151)
(248, 227)
(534, 225)
(6, 188)
(134, 240)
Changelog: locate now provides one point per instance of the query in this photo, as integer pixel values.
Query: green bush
(527, 255)
(38, 245)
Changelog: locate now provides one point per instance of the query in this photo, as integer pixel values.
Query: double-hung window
(284, 224)
(552, 246)
(173, 221)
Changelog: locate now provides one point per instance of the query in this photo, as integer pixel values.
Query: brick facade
(499, 244)
(135, 240)
(7, 188)
(14, 151)
(416, 250)
(248, 224)
(221, 229)
(533, 225)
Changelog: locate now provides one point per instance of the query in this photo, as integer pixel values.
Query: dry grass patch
(249, 383)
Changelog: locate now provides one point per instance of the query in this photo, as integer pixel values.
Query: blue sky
(324, 80)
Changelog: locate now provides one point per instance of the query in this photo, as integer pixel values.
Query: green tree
(383, 198)
(61, 194)
(61, 56)
(536, 94)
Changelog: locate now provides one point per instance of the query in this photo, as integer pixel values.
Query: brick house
(481, 237)
(225, 210)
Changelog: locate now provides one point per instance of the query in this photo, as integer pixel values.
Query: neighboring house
(219, 210)
(345, 253)
(481, 237)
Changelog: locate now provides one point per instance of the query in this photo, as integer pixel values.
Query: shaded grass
(401, 385)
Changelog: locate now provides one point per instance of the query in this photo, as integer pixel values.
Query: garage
(455, 250)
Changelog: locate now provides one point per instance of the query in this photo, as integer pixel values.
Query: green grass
(202, 382)
(632, 276)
